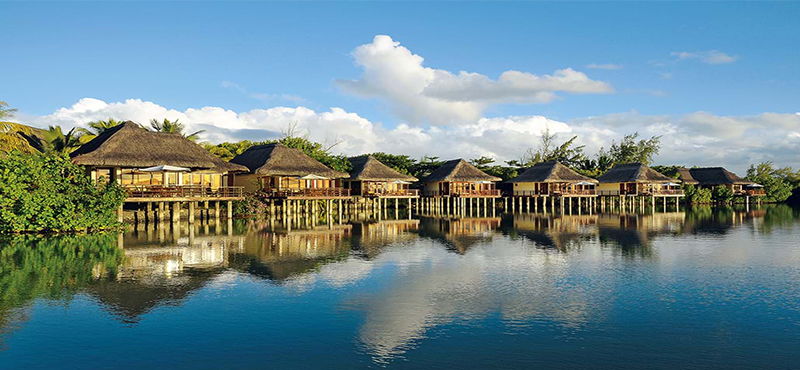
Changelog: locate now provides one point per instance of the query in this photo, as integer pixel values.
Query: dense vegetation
(33, 266)
(47, 193)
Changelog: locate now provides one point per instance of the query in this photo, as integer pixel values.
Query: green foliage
(6, 112)
(566, 153)
(629, 150)
(778, 182)
(55, 141)
(174, 127)
(227, 150)
(14, 136)
(400, 163)
(96, 128)
(504, 172)
(722, 194)
(34, 266)
(319, 152)
(669, 171)
(47, 193)
(695, 195)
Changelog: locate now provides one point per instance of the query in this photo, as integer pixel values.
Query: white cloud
(607, 66)
(698, 138)
(709, 57)
(421, 94)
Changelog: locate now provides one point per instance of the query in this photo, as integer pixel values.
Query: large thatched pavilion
(156, 165)
(552, 179)
(458, 178)
(371, 178)
(637, 179)
(712, 177)
(285, 172)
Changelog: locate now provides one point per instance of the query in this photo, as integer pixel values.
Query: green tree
(722, 194)
(630, 150)
(567, 152)
(174, 127)
(400, 163)
(695, 195)
(96, 128)
(55, 141)
(778, 182)
(14, 136)
(47, 193)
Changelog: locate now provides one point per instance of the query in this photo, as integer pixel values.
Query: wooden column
(191, 212)
(230, 210)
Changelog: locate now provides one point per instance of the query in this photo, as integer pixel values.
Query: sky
(720, 82)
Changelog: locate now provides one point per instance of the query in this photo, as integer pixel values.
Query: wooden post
(176, 212)
(230, 210)
(216, 209)
(119, 213)
(191, 212)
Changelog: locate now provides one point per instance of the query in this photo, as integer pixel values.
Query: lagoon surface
(699, 289)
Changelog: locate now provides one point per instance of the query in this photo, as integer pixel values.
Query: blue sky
(739, 61)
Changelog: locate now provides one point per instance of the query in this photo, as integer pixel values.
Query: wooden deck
(182, 193)
(492, 193)
(322, 193)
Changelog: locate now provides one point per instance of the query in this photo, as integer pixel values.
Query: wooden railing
(642, 192)
(755, 193)
(529, 193)
(393, 193)
(308, 193)
(183, 191)
(463, 193)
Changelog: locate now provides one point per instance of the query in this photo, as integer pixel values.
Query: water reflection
(407, 279)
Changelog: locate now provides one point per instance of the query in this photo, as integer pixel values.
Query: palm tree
(95, 129)
(174, 127)
(55, 141)
(14, 136)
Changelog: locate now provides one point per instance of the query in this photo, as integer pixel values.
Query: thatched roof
(459, 170)
(130, 145)
(633, 172)
(367, 168)
(279, 160)
(551, 171)
(711, 176)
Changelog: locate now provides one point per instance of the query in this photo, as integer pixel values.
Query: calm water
(709, 288)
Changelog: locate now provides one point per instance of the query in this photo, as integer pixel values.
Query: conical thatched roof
(279, 160)
(367, 168)
(633, 172)
(459, 170)
(711, 176)
(130, 145)
(551, 171)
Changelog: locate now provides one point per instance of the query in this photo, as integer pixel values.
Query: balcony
(463, 193)
(183, 192)
(308, 193)
(393, 193)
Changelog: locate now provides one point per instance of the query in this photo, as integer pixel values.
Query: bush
(696, 195)
(722, 194)
(47, 193)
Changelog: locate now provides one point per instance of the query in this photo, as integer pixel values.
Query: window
(103, 175)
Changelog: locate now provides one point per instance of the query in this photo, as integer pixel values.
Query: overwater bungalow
(288, 173)
(712, 177)
(458, 178)
(157, 166)
(636, 179)
(552, 179)
(371, 178)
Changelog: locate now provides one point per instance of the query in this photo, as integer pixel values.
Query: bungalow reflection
(633, 233)
(369, 238)
(459, 234)
(561, 232)
(283, 254)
